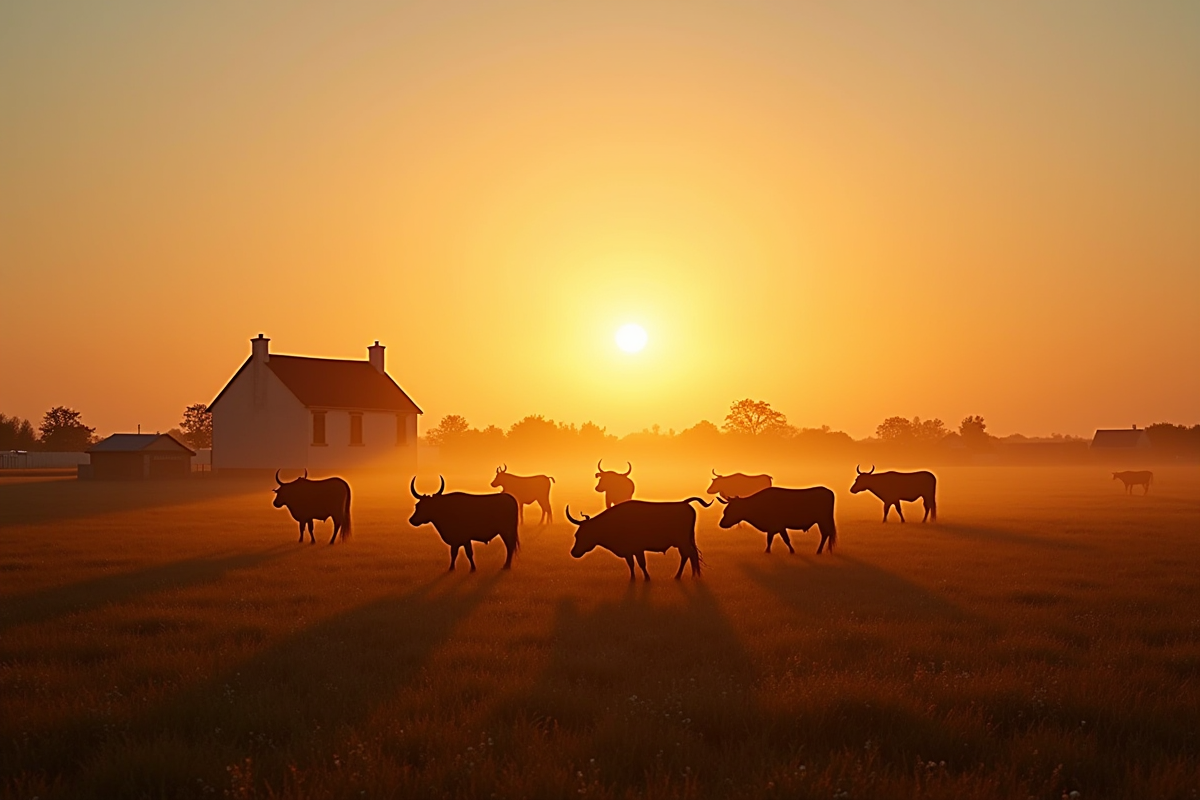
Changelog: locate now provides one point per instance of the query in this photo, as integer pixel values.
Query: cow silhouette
(616, 486)
(526, 490)
(461, 519)
(1143, 478)
(631, 528)
(774, 510)
(307, 501)
(737, 484)
(892, 487)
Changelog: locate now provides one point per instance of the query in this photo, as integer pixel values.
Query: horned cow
(461, 518)
(737, 484)
(631, 528)
(308, 500)
(774, 510)
(616, 486)
(526, 490)
(892, 487)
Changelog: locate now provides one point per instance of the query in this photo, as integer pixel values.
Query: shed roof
(139, 442)
(1121, 437)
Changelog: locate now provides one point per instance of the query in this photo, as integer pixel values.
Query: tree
(535, 430)
(973, 431)
(899, 429)
(16, 434)
(449, 430)
(197, 426)
(894, 429)
(754, 417)
(63, 431)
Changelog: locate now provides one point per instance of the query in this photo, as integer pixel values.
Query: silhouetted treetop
(197, 426)
(899, 429)
(63, 431)
(16, 434)
(754, 418)
(449, 429)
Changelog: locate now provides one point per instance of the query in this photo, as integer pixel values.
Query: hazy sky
(849, 210)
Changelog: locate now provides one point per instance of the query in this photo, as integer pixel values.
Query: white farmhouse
(319, 414)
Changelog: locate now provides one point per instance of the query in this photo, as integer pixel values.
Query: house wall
(273, 435)
(378, 449)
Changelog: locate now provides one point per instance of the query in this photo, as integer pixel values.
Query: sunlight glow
(631, 338)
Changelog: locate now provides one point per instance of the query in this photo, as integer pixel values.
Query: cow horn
(306, 473)
(505, 468)
(573, 520)
(277, 478)
(412, 487)
(715, 475)
(872, 469)
(598, 467)
(628, 470)
(441, 488)
(858, 468)
(722, 500)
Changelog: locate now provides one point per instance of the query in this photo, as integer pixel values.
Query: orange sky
(851, 210)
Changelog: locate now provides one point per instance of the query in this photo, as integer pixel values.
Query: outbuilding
(139, 456)
(1134, 438)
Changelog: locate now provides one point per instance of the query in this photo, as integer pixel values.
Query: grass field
(173, 640)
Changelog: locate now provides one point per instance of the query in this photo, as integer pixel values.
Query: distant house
(320, 414)
(138, 456)
(1120, 439)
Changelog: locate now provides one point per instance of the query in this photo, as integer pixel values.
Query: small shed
(1121, 439)
(138, 456)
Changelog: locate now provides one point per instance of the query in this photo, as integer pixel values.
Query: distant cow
(1131, 479)
(617, 486)
(737, 484)
(312, 500)
(774, 510)
(461, 519)
(533, 489)
(892, 487)
(631, 528)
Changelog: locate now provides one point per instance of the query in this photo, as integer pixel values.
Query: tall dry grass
(175, 641)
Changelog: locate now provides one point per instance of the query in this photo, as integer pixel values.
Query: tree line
(63, 430)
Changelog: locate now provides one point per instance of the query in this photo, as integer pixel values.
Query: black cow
(461, 518)
(631, 528)
(616, 486)
(774, 510)
(312, 500)
(892, 487)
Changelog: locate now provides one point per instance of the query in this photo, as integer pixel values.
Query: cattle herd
(626, 527)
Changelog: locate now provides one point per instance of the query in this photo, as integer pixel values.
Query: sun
(631, 338)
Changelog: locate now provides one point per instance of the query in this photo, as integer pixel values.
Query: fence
(21, 459)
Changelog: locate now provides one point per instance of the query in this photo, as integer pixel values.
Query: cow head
(501, 476)
(715, 486)
(1115, 476)
(732, 515)
(287, 492)
(426, 503)
(612, 481)
(585, 537)
(863, 482)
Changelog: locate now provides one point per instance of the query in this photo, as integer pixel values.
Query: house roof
(1121, 437)
(139, 442)
(335, 383)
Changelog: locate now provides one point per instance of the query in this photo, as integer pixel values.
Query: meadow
(174, 640)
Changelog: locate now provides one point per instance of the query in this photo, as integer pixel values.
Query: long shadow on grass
(292, 703)
(998, 536)
(58, 601)
(55, 501)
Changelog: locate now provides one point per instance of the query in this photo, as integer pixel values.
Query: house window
(401, 430)
(318, 427)
(356, 429)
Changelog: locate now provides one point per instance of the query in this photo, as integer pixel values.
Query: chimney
(375, 356)
(258, 348)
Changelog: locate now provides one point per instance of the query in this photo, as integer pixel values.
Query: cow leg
(302, 533)
(629, 561)
(886, 508)
(770, 538)
(899, 511)
(683, 559)
(641, 559)
(312, 539)
(821, 544)
(926, 517)
(470, 551)
(453, 556)
(337, 526)
(787, 540)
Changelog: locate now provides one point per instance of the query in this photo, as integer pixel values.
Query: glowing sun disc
(631, 338)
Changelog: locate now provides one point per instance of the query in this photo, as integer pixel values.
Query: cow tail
(699, 500)
(551, 477)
